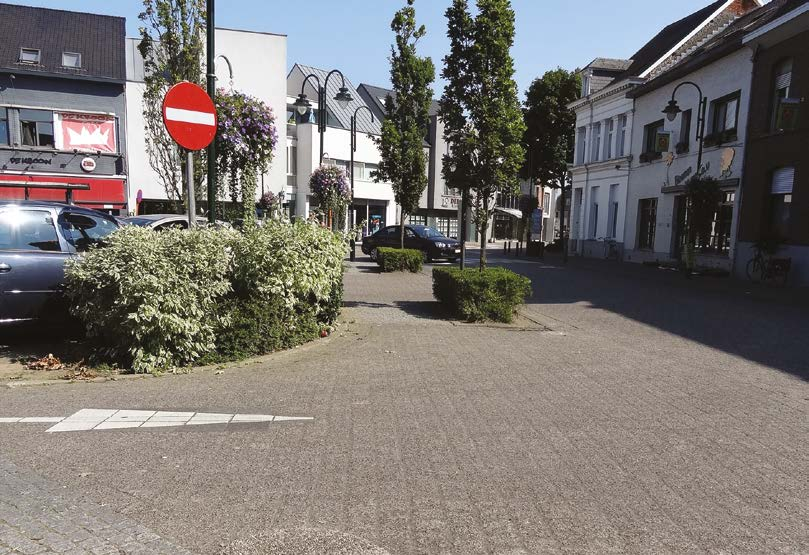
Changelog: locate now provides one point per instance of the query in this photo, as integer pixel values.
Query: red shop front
(108, 195)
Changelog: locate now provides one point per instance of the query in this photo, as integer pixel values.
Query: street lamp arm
(332, 72)
(699, 90)
(306, 80)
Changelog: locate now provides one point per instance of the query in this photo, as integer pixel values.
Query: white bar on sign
(190, 116)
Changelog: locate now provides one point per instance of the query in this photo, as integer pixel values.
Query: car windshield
(429, 232)
(141, 222)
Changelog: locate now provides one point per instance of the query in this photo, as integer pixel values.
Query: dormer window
(71, 60)
(30, 55)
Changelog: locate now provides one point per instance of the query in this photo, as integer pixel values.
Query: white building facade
(236, 55)
(372, 202)
(601, 164)
(656, 207)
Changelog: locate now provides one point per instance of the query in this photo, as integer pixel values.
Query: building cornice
(600, 165)
(610, 90)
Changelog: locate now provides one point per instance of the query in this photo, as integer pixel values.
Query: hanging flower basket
(329, 186)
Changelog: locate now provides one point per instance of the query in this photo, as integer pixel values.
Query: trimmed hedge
(474, 295)
(399, 260)
(152, 301)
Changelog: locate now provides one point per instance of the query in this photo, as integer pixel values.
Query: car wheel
(374, 254)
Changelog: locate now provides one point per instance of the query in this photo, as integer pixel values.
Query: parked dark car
(36, 238)
(428, 240)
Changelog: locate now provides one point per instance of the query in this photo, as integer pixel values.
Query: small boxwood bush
(474, 295)
(399, 260)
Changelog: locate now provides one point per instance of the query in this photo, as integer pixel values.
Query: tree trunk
(562, 235)
(484, 231)
(464, 197)
(401, 229)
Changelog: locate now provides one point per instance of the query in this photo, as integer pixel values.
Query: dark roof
(667, 39)
(343, 115)
(98, 38)
(375, 98)
(609, 64)
(721, 45)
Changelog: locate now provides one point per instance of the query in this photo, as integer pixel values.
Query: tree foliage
(550, 125)
(172, 49)
(483, 123)
(407, 119)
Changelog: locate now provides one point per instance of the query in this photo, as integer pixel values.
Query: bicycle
(610, 248)
(764, 266)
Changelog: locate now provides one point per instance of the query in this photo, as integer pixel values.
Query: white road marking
(112, 419)
(190, 116)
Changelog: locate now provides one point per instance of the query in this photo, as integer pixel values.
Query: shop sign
(85, 132)
(88, 165)
(450, 202)
(29, 161)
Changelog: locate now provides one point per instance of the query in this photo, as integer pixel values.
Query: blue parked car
(36, 238)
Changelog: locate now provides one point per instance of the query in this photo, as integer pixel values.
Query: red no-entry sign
(190, 116)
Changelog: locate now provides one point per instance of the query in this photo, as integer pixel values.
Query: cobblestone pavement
(638, 413)
(36, 518)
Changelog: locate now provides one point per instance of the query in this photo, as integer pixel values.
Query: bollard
(353, 253)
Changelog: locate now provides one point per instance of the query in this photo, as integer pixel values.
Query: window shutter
(783, 81)
(782, 180)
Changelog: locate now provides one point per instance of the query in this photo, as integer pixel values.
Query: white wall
(258, 61)
(725, 76)
(594, 179)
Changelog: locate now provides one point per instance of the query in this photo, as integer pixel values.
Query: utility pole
(562, 234)
(211, 30)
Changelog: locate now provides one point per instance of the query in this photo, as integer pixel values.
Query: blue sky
(354, 35)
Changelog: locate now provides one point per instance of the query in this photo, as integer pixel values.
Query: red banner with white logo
(85, 132)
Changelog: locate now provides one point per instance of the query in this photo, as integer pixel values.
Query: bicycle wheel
(755, 270)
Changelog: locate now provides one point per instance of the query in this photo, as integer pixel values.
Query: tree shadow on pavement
(761, 325)
(425, 310)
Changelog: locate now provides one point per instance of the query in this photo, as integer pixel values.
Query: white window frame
(595, 148)
(620, 147)
(608, 138)
(78, 57)
(31, 51)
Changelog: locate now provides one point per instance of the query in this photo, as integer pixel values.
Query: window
(595, 150)
(448, 227)
(650, 137)
(612, 216)
(782, 85)
(685, 132)
(71, 60)
(416, 219)
(28, 230)
(369, 171)
(620, 147)
(647, 209)
(84, 230)
(594, 213)
(581, 143)
(29, 55)
(610, 125)
(781, 201)
(585, 85)
(3, 126)
(292, 160)
(725, 114)
(546, 203)
(36, 127)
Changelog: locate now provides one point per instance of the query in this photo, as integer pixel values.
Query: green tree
(481, 112)
(551, 129)
(172, 48)
(407, 119)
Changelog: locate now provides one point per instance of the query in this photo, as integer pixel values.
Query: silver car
(162, 221)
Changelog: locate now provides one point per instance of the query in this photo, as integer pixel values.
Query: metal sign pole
(192, 208)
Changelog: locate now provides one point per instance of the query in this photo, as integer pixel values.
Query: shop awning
(85, 191)
(513, 212)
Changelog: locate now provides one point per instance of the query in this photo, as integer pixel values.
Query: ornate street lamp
(302, 104)
(354, 149)
(672, 110)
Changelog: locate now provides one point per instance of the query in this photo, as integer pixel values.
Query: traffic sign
(189, 116)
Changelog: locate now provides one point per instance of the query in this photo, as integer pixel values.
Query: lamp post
(354, 149)
(211, 84)
(302, 104)
(671, 111)
(530, 147)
